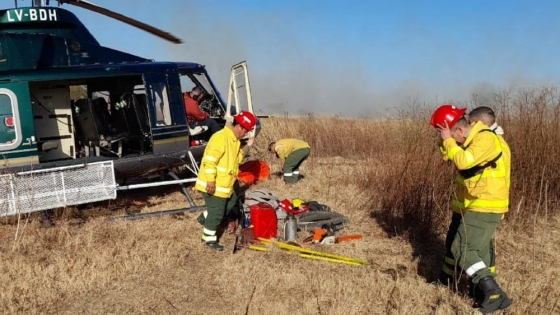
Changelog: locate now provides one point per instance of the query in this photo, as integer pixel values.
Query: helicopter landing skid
(138, 216)
(193, 207)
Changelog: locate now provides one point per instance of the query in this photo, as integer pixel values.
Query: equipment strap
(477, 169)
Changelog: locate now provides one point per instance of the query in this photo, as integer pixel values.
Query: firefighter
(218, 173)
(482, 198)
(486, 115)
(292, 152)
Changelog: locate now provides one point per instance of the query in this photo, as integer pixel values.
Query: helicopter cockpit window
(210, 103)
(8, 128)
(161, 101)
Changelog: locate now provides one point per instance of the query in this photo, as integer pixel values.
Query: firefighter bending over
(292, 152)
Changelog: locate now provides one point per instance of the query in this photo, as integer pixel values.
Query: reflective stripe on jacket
(286, 146)
(220, 163)
(488, 191)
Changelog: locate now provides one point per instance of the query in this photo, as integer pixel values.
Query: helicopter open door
(239, 94)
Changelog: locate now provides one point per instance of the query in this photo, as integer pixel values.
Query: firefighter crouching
(218, 173)
(482, 198)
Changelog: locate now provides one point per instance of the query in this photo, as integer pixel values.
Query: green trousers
(450, 267)
(217, 210)
(472, 247)
(292, 164)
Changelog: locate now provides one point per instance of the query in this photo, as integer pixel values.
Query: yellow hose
(329, 259)
(313, 252)
(261, 249)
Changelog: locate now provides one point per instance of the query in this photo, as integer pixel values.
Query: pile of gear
(262, 214)
(291, 216)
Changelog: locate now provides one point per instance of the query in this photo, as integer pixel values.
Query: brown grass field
(386, 176)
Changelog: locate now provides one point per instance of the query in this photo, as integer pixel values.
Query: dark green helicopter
(58, 149)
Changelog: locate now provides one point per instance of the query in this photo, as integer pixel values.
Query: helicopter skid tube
(145, 185)
(138, 216)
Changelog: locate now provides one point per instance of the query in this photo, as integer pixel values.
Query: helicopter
(130, 122)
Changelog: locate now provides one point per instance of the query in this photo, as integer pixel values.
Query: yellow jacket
(284, 147)
(220, 163)
(488, 189)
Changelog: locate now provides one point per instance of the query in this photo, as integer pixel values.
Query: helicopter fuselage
(131, 113)
(78, 119)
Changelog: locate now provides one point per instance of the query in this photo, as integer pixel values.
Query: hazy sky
(349, 57)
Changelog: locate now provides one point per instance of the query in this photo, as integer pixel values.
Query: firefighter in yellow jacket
(292, 152)
(482, 197)
(487, 116)
(218, 173)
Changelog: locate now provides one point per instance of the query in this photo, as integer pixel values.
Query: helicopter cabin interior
(90, 117)
(109, 117)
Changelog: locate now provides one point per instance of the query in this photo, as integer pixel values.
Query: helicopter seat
(133, 109)
(47, 146)
(92, 129)
(197, 130)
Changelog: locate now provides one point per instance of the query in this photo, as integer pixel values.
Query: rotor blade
(150, 29)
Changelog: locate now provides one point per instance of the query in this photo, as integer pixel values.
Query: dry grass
(386, 176)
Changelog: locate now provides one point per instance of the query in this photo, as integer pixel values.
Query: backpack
(321, 216)
(262, 195)
(315, 206)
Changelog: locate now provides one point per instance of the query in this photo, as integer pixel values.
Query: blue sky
(349, 57)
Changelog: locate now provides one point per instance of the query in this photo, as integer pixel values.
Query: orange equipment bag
(251, 172)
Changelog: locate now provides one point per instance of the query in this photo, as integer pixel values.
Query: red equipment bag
(264, 221)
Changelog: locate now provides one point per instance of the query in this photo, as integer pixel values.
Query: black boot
(476, 293)
(446, 279)
(506, 301)
(215, 246)
(494, 298)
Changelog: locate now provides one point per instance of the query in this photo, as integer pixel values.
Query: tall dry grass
(412, 187)
(422, 184)
(387, 176)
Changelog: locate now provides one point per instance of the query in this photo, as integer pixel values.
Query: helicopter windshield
(210, 103)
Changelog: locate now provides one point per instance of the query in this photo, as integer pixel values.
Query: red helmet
(246, 120)
(286, 205)
(447, 113)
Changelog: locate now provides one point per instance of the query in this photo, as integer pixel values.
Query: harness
(478, 169)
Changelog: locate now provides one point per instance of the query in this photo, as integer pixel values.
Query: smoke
(286, 74)
(291, 75)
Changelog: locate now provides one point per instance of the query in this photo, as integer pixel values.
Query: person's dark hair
(484, 114)
(460, 123)
(197, 89)
(269, 145)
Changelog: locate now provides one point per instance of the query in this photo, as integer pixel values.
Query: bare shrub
(531, 118)
(416, 189)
